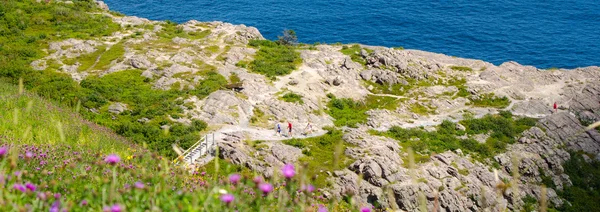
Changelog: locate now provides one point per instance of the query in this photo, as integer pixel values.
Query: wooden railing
(199, 149)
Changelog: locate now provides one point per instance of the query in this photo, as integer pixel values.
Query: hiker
(555, 107)
(308, 129)
(278, 129)
(290, 129)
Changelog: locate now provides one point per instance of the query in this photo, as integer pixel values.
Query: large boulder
(117, 108)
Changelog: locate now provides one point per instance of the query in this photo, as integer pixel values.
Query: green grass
(171, 30)
(490, 100)
(292, 97)
(213, 49)
(461, 68)
(323, 153)
(348, 112)
(401, 89)
(462, 92)
(114, 53)
(273, 59)
(102, 55)
(354, 53)
(234, 78)
(260, 119)
(86, 61)
(421, 109)
(30, 119)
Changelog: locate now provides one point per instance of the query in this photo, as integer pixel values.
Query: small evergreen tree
(289, 38)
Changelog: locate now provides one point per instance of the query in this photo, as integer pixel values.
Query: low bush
(273, 59)
(292, 97)
(490, 100)
(347, 112)
(144, 102)
(504, 130)
(421, 109)
(584, 192)
(461, 68)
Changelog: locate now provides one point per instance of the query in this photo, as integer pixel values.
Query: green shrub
(347, 112)
(144, 102)
(213, 82)
(490, 100)
(504, 131)
(273, 59)
(421, 109)
(461, 68)
(292, 97)
(213, 49)
(584, 192)
(234, 78)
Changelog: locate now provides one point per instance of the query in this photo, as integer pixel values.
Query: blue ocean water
(549, 33)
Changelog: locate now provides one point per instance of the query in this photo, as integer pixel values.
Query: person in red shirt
(290, 129)
(555, 107)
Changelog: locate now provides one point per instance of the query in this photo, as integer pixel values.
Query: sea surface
(549, 33)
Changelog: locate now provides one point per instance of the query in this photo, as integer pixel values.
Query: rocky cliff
(428, 88)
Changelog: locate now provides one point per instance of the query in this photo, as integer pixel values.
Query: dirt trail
(262, 134)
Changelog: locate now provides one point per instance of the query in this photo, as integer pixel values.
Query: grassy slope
(68, 160)
(29, 119)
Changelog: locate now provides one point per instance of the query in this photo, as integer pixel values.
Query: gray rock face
(140, 62)
(567, 128)
(533, 108)
(460, 127)
(455, 181)
(382, 77)
(349, 184)
(39, 65)
(274, 156)
(102, 5)
(293, 82)
(296, 113)
(285, 153)
(222, 107)
(237, 54)
(339, 73)
(117, 108)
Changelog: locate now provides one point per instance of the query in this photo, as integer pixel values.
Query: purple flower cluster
(288, 171)
(112, 159)
(58, 167)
